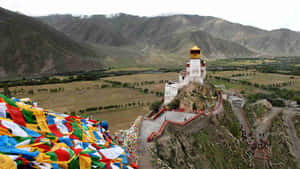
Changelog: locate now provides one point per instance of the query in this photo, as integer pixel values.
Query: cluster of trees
(114, 106)
(59, 89)
(277, 92)
(42, 90)
(133, 86)
(31, 91)
(273, 86)
(276, 96)
(244, 74)
(175, 103)
(272, 98)
(76, 76)
(155, 106)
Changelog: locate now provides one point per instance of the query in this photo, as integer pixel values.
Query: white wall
(170, 92)
(195, 70)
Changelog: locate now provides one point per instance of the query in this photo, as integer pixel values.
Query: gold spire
(195, 52)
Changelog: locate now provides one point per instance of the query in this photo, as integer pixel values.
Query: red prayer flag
(62, 155)
(16, 115)
(55, 131)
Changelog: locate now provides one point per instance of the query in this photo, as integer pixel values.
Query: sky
(265, 14)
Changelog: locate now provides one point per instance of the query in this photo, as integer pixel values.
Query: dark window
(195, 52)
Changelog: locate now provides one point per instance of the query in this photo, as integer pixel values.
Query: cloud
(266, 14)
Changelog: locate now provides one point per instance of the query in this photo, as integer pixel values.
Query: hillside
(155, 40)
(226, 39)
(30, 47)
(219, 144)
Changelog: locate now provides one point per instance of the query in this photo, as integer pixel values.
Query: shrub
(104, 86)
(155, 106)
(297, 99)
(146, 90)
(174, 104)
(30, 91)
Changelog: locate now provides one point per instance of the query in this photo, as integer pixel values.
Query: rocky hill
(29, 47)
(195, 97)
(170, 33)
(218, 143)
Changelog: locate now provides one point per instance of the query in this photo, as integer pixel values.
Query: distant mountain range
(86, 42)
(173, 34)
(29, 47)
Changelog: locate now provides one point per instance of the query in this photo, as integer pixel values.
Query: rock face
(193, 97)
(257, 110)
(214, 145)
(265, 103)
(217, 143)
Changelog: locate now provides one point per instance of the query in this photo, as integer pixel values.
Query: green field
(141, 90)
(261, 78)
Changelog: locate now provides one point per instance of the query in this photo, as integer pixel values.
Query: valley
(233, 103)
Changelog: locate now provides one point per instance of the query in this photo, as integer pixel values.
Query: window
(195, 51)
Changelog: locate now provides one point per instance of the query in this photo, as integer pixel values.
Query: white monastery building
(195, 72)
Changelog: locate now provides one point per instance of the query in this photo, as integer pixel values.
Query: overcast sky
(265, 14)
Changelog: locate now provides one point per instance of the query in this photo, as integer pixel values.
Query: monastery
(195, 72)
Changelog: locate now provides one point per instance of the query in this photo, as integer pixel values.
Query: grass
(81, 95)
(225, 155)
(145, 77)
(240, 62)
(279, 145)
(262, 78)
(297, 124)
(237, 87)
(86, 94)
(156, 87)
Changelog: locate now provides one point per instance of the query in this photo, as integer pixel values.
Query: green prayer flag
(29, 117)
(8, 101)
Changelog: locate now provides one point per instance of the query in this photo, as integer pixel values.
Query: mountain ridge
(128, 29)
(30, 47)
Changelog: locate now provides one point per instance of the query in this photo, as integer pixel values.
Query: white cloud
(266, 14)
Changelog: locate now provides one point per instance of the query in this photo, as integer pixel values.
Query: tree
(31, 92)
(194, 106)
(6, 91)
(297, 99)
(155, 106)
(146, 90)
(174, 104)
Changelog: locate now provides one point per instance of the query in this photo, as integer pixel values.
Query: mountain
(149, 40)
(151, 33)
(30, 47)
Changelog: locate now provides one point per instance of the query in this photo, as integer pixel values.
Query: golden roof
(195, 48)
(195, 52)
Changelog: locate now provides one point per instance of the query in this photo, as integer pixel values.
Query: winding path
(237, 108)
(147, 127)
(150, 127)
